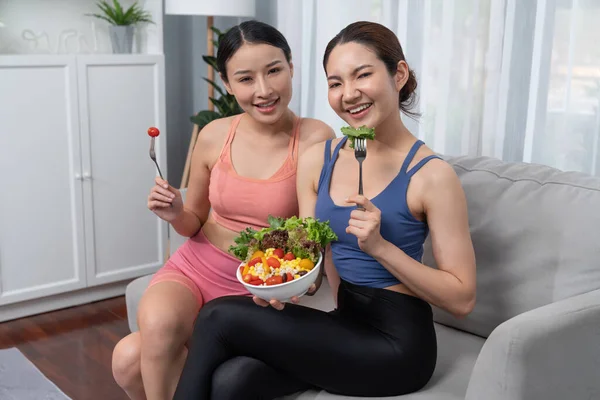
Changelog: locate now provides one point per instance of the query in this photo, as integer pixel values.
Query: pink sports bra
(238, 202)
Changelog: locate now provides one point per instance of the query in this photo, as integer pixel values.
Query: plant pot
(121, 37)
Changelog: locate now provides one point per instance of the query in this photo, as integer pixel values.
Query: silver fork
(360, 153)
(153, 157)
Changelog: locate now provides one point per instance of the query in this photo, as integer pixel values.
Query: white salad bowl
(283, 291)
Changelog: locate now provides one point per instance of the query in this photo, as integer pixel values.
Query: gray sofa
(535, 330)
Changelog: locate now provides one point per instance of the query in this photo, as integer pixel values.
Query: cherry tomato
(256, 282)
(254, 261)
(278, 252)
(154, 132)
(273, 262)
(247, 278)
(274, 280)
(289, 257)
(290, 277)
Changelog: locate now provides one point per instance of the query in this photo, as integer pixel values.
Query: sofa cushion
(457, 353)
(133, 294)
(534, 230)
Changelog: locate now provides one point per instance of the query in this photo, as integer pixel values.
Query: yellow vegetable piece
(257, 253)
(266, 267)
(307, 264)
(246, 270)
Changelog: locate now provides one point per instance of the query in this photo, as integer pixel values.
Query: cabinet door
(41, 227)
(122, 96)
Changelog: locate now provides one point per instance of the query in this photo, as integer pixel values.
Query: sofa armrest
(552, 352)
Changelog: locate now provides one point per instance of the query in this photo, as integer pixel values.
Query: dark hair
(387, 47)
(254, 32)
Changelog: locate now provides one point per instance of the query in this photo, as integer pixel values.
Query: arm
(196, 207)
(551, 352)
(332, 275)
(307, 182)
(452, 285)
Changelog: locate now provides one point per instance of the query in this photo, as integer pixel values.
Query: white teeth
(360, 108)
(267, 104)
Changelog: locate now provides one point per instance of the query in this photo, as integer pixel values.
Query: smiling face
(260, 78)
(361, 90)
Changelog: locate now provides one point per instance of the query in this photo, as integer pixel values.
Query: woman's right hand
(165, 201)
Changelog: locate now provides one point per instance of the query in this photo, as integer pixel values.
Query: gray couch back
(535, 233)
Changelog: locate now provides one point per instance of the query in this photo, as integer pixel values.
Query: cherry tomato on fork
(154, 132)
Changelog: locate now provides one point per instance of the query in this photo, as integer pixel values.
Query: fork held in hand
(153, 157)
(360, 153)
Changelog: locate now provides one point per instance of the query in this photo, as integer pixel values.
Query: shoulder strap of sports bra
(327, 152)
(424, 161)
(295, 141)
(338, 147)
(411, 155)
(232, 129)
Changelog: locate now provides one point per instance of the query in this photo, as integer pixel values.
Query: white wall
(61, 26)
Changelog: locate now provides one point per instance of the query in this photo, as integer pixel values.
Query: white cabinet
(76, 175)
(42, 249)
(120, 100)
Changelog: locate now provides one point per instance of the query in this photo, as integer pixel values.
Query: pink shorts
(207, 271)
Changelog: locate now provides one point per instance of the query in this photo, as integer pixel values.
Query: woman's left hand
(364, 224)
(276, 304)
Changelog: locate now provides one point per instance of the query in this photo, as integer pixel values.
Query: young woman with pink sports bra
(243, 169)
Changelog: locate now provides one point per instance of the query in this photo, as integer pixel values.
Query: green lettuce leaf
(243, 242)
(307, 237)
(360, 132)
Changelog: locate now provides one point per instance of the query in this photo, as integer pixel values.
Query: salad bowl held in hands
(283, 260)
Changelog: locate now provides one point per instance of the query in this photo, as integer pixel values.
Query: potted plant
(122, 23)
(226, 105)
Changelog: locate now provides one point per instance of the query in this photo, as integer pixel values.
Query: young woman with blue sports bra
(380, 339)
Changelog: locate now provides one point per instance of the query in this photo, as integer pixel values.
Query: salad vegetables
(360, 132)
(285, 250)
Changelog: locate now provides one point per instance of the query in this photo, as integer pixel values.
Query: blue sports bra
(398, 225)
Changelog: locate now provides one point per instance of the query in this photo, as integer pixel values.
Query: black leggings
(377, 343)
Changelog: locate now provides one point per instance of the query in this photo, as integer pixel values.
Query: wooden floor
(73, 347)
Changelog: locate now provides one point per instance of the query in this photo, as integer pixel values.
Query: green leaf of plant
(217, 87)
(203, 118)
(220, 106)
(116, 15)
(118, 11)
(101, 17)
(215, 30)
(212, 61)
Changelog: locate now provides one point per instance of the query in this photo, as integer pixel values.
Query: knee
(162, 332)
(224, 311)
(235, 379)
(126, 361)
